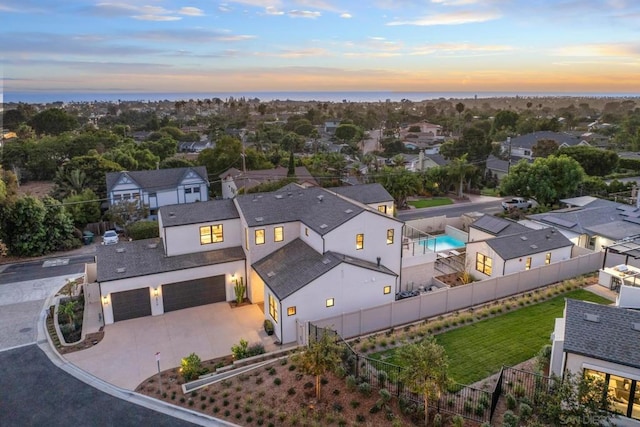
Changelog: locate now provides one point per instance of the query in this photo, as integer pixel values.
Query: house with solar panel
(590, 222)
(499, 246)
(305, 253)
(160, 187)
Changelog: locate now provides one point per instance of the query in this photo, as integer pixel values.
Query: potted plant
(268, 326)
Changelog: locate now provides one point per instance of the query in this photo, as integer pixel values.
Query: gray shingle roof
(320, 210)
(364, 193)
(141, 258)
(193, 213)
(437, 159)
(498, 226)
(156, 179)
(531, 139)
(609, 335)
(296, 264)
(597, 217)
(528, 243)
(253, 178)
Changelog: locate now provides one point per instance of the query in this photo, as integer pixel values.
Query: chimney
(378, 259)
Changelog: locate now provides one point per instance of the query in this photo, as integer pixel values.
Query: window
(211, 234)
(483, 264)
(152, 194)
(260, 236)
(291, 311)
(547, 258)
(624, 393)
(330, 302)
(273, 308)
(306, 231)
(527, 152)
(390, 236)
(382, 208)
(117, 198)
(527, 264)
(187, 191)
(136, 196)
(592, 242)
(278, 234)
(126, 196)
(359, 241)
(387, 290)
(196, 189)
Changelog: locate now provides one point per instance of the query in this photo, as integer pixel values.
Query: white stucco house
(497, 247)
(303, 252)
(604, 342)
(160, 187)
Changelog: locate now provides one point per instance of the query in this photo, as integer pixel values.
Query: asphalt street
(44, 268)
(37, 393)
(452, 211)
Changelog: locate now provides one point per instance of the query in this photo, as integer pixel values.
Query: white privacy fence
(445, 300)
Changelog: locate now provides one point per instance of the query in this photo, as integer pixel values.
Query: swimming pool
(443, 242)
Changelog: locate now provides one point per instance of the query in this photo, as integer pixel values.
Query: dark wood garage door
(131, 304)
(192, 293)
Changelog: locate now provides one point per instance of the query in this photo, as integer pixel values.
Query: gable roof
(193, 213)
(528, 243)
(320, 210)
(144, 257)
(156, 179)
(253, 178)
(296, 264)
(498, 226)
(603, 332)
(437, 158)
(531, 139)
(364, 193)
(595, 217)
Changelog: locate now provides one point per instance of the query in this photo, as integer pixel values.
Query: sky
(535, 46)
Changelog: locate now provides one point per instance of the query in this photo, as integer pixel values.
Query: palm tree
(459, 169)
(71, 183)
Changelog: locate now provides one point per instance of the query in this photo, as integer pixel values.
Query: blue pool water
(441, 243)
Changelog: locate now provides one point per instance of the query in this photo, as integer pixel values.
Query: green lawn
(479, 350)
(429, 203)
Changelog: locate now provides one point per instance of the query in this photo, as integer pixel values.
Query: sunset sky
(321, 45)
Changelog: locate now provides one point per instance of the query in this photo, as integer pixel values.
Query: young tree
(321, 356)
(425, 370)
(68, 309)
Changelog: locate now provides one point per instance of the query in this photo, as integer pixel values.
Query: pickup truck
(516, 203)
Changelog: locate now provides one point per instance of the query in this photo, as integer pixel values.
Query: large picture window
(211, 234)
(273, 308)
(624, 393)
(484, 264)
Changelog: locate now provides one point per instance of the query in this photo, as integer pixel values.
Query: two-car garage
(175, 296)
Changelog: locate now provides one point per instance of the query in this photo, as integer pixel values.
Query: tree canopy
(53, 121)
(594, 161)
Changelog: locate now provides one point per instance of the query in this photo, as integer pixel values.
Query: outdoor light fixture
(155, 292)
(105, 300)
(233, 278)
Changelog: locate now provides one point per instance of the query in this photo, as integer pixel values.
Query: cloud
(346, 15)
(460, 48)
(191, 11)
(259, 3)
(304, 14)
(454, 18)
(156, 18)
(599, 50)
(454, 2)
(271, 10)
(317, 4)
(194, 35)
(302, 53)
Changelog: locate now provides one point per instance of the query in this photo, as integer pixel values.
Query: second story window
(484, 264)
(278, 234)
(547, 258)
(527, 264)
(211, 234)
(382, 208)
(359, 241)
(390, 236)
(260, 236)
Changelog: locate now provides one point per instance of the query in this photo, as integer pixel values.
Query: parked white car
(110, 237)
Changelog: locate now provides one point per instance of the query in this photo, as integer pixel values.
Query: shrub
(519, 390)
(337, 407)
(277, 381)
(292, 367)
(354, 404)
(268, 326)
(143, 230)
(351, 382)
(525, 411)
(437, 420)
(340, 371)
(458, 421)
(510, 419)
(511, 402)
(382, 378)
(384, 395)
(365, 389)
(291, 391)
(272, 371)
(242, 350)
(191, 367)
(360, 418)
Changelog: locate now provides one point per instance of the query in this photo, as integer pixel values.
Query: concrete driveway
(126, 355)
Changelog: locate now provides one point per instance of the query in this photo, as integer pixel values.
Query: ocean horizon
(41, 97)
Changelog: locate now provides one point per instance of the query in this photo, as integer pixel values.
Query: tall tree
(400, 183)
(460, 170)
(425, 370)
(544, 148)
(594, 161)
(53, 121)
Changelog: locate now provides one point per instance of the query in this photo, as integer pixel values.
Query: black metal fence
(471, 403)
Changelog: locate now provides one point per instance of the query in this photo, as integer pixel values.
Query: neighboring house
(234, 180)
(515, 252)
(428, 133)
(602, 341)
(331, 126)
(305, 252)
(489, 226)
(499, 167)
(372, 195)
(424, 161)
(521, 147)
(160, 187)
(592, 223)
